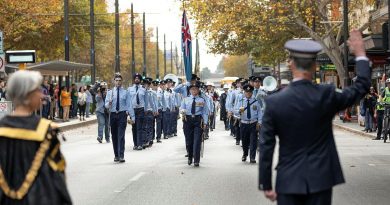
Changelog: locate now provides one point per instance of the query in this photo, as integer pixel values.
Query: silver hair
(21, 84)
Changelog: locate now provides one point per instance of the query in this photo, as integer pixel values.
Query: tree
(235, 66)
(261, 28)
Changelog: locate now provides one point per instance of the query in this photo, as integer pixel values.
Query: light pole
(345, 26)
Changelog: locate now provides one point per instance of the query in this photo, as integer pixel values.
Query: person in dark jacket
(31, 163)
(301, 116)
(222, 104)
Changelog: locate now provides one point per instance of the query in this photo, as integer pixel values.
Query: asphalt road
(160, 175)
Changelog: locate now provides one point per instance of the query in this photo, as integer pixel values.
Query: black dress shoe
(139, 148)
(135, 148)
(158, 141)
(175, 134)
(186, 155)
(243, 158)
(252, 161)
(108, 140)
(99, 140)
(237, 143)
(165, 137)
(116, 159)
(376, 138)
(196, 164)
(122, 160)
(190, 161)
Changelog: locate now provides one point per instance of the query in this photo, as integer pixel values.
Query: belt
(118, 112)
(193, 116)
(248, 121)
(136, 108)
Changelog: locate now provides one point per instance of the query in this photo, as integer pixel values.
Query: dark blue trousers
(138, 131)
(118, 122)
(158, 118)
(249, 139)
(148, 126)
(193, 133)
(166, 122)
(236, 128)
(174, 121)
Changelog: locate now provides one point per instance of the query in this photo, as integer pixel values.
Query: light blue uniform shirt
(124, 101)
(160, 100)
(168, 100)
(141, 96)
(255, 108)
(200, 107)
(150, 103)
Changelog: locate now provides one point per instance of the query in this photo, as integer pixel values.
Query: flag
(186, 46)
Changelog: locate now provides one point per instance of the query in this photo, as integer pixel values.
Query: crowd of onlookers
(67, 103)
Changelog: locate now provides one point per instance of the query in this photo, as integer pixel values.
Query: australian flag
(186, 46)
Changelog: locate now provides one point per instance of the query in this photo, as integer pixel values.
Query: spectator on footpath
(89, 101)
(102, 114)
(66, 101)
(82, 103)
(93, 91)
(375, 95)
(45, 109)
(74, 96)
(2, 90)
(52, 102)
(369, 103)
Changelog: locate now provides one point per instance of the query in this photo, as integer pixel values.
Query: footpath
(75, 123)
(352, 127)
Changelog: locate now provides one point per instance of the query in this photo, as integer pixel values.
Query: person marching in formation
(138, 98)
(233, 98)
(150, 113)
(250, 121)
(176, 105)
(119, 105)
(301, 116)
(156, 92)
(195, 113)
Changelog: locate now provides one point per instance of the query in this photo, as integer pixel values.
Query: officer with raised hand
(184, 88)
(250, 119)
(301, 116)
(119, 105)
(195, 110)
(137, 98)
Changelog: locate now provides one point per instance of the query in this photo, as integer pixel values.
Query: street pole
(92, 27)
(132, 42)
(117, 56)
(346, 54)
(144, 44)
(165, 57)
(157, 57)
(66, 23)
(171, 58)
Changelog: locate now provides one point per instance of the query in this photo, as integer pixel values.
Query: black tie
(136, 90)
(117, 99)
(248, 111)
(193, 107)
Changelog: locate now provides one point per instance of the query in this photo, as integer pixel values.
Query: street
(160, 175)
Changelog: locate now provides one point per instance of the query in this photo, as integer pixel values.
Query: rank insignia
(254, 107)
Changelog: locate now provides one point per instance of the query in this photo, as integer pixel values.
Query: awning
(54, 68)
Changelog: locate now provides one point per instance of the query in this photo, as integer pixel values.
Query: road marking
(137, 177)
(371, 165)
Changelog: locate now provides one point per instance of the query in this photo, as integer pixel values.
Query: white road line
(371, 165)
(137, 177)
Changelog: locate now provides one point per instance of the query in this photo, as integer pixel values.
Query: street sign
(1, 42)
(23, 56)
(2, 62)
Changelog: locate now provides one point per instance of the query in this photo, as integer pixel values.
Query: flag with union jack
(186, 46)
